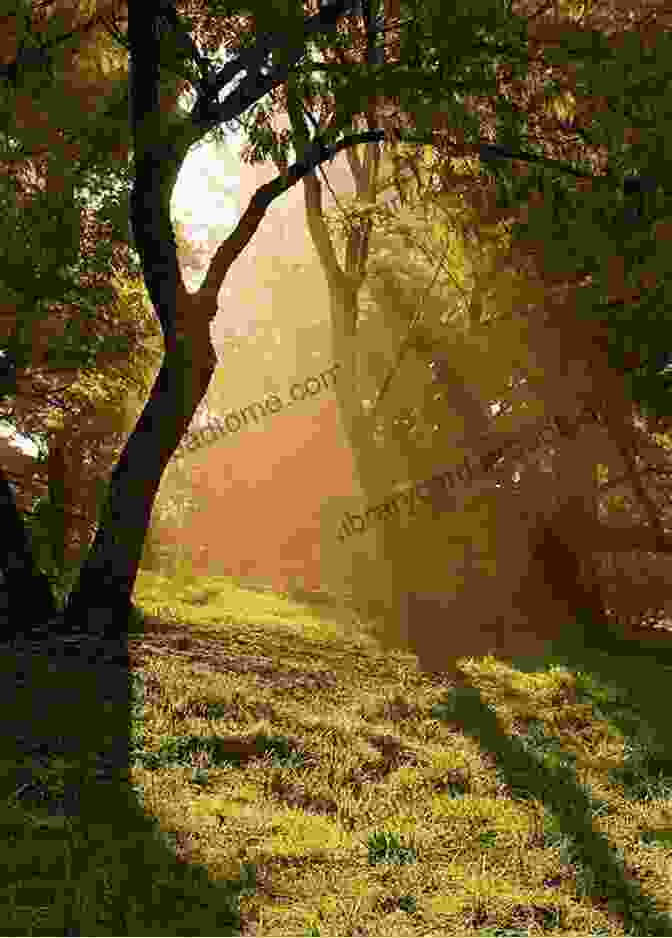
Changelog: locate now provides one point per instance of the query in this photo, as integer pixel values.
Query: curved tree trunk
(102, 596)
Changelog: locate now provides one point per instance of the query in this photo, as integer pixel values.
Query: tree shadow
(85, 848)
(637, 675)
(639, 671)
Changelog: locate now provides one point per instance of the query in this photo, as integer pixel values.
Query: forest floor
(296, 779)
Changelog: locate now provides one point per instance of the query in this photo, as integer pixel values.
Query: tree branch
(229, 250)
(208, 113)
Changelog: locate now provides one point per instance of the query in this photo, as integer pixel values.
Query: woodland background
(481, 325)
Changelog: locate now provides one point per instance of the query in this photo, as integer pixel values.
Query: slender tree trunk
(28, 592)
(57, 469)
(372, 471)
(561, 569)
(570, 557)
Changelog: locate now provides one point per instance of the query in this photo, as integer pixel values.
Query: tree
(75, 449)
(500, 154)
(575, 531)
(603, 280)
(557, 549)
(173, 51)
(50, 174)
(73, 377)
(551, 385)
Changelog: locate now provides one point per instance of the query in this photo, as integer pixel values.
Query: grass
(288, 777)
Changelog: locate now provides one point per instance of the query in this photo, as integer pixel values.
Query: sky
(197, 197)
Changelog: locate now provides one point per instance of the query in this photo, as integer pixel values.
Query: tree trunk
(569, 554)
(61, 518)
(27, 590)
(151, 554)
(101, 600)
(561, 569)
(373, 471)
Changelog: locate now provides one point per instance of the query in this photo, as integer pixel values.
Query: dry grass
(320, 786)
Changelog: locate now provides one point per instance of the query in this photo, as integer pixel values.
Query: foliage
(614, 114)
(45, 524)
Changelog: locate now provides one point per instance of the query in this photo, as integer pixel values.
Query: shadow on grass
(80, 854)
(635, 677)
